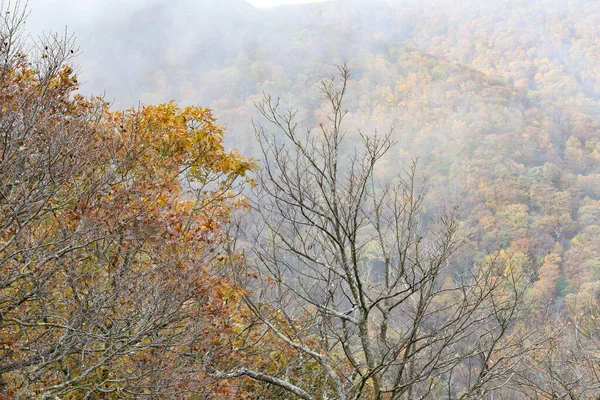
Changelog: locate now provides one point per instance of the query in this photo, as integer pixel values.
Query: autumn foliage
(111, 277)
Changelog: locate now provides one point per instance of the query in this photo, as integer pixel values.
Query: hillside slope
(502, 114)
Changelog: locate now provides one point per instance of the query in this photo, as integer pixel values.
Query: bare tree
(359, 283)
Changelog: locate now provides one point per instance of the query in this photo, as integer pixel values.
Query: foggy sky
(273, 3)
(55, 15)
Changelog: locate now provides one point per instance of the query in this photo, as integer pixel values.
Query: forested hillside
(423, 223)
(499, 101)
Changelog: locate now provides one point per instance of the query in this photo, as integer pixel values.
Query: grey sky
(54, 15)
(272, 3)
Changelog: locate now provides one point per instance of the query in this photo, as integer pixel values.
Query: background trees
(513, 123)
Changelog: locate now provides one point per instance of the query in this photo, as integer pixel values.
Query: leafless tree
(360, 284)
